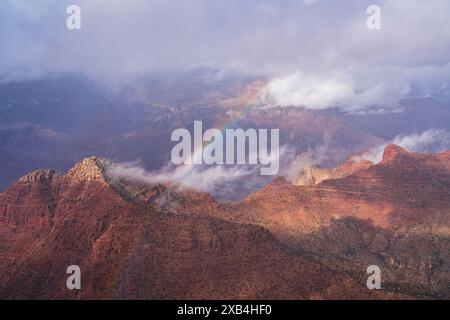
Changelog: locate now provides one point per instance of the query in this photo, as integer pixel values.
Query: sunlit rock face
(138, 241)
(134, 239)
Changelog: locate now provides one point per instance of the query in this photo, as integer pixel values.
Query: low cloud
(354, 90)
(224, 182)
(206, 179)
(295, 163)
(429, 141)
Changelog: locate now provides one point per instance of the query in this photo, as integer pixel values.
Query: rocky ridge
(137, 249)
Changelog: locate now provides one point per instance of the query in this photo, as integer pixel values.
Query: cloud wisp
(224, 182)
(209, 179)
(429, 141)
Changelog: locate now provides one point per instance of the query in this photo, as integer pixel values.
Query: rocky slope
(130, 246)
(395, 214)
(309, 241)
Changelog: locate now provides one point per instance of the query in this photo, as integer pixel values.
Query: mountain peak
(392, 151)
(89, 169)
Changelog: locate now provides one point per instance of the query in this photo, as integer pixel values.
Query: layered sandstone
(395, 214)
(137, 240)
(130, 246)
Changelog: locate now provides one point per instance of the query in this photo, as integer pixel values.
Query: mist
(428, 141)
(319, 54)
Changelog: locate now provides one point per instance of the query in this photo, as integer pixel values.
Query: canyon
(134, 240)
(239, 146)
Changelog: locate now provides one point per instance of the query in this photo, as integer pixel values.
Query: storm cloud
(319, 54)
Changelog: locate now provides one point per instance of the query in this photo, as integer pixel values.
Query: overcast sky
(319, 53)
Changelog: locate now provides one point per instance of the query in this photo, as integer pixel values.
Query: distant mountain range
(57, 121)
